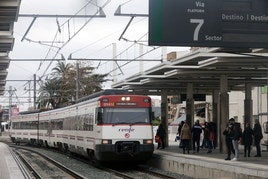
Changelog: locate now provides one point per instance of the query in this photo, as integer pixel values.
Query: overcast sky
(93, 41)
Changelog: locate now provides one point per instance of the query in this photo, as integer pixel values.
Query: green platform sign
(209, 23)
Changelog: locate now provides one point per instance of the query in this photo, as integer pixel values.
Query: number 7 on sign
(199, 23)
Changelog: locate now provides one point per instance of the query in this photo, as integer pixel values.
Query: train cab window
(99, 115)
(126, 116)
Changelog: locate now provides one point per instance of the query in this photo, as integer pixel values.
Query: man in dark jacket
(247, 139)
(257, 132)
(228, 139)
(196, 131)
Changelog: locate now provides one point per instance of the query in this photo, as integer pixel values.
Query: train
(109, 126)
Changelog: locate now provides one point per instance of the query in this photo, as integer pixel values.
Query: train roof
(92, 96)
(101, 93)
(30, 112)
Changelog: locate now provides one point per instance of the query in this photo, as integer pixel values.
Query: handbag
(177, 138)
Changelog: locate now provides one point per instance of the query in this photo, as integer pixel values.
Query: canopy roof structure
(9, 10)
(203, 68)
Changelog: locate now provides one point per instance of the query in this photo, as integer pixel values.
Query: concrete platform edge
(202, 167)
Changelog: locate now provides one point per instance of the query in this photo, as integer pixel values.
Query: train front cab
(124, 151)
(124, 137)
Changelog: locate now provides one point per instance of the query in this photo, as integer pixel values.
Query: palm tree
(48, 93)
(61, 87)
(61, 69)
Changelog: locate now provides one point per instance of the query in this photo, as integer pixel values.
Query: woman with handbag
(186, 137)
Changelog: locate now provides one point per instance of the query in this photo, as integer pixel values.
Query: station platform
(9, 167)
(210, 165)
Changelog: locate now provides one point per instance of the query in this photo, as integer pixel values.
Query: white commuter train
(107, 126)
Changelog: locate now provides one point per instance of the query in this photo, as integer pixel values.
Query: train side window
(79, 121)
(88, 122)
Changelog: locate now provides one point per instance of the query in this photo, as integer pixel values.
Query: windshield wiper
(117, 123)
(139, 122)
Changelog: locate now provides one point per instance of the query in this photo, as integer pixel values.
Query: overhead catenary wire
(105, 37)
(57, 52)
(154, 48)
(63, 45)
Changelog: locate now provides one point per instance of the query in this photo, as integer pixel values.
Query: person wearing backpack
(228, 139)
(237, 134)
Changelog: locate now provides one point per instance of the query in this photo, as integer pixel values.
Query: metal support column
(248, 111)
(34, 101)
(215, 117)
(223, 111)
(190, 105)
(164, 113)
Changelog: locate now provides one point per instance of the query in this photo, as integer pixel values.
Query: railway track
(42, 166)
(137, 172)
(103, 171)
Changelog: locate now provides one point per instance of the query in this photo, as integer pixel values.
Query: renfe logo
(126, 130)
(127, 135)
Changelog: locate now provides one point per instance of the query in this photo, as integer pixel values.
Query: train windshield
(125, 116)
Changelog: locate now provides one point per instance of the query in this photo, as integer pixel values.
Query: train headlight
(127, 98)
(146, 100)
(106, 141)
(147, 141)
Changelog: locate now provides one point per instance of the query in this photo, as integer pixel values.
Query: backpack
(239, 129)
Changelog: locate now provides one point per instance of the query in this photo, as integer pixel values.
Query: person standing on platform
(180, 127)
(196, 130)
(162, 134)
(237, 134)
(257, 132)
(247, 139)
(205, 142)
(186, 137)
(179, 133)
(228, 139)
(211, 138)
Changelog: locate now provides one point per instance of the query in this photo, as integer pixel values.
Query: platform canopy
(9, 10)
(202, 67)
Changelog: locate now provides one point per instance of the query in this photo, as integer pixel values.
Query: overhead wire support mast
(33, 59)
(34, 16)
(60, 16)
(96, 59)
(118, 13)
